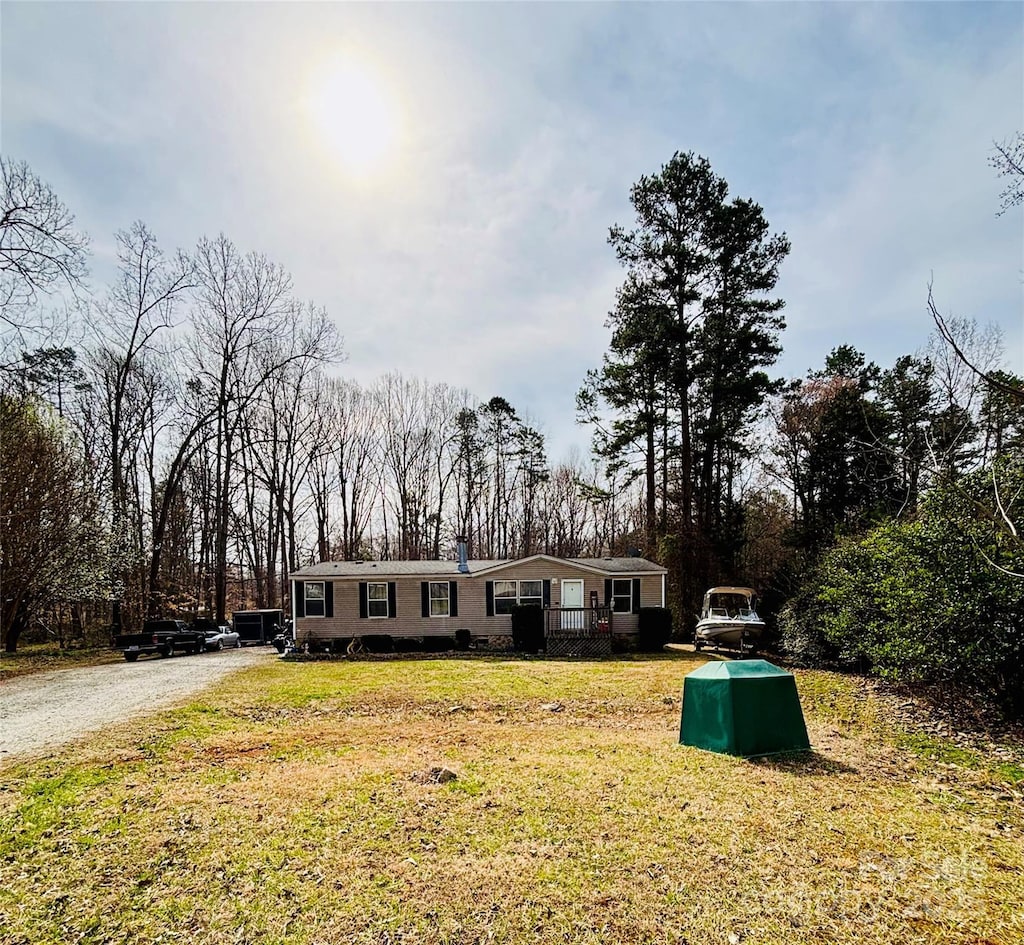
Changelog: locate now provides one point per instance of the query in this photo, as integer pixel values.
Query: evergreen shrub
(654, 628)
(378, 643)
(932, 600)
(528, 628)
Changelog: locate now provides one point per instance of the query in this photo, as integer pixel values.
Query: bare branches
(999, 505)
(950, 338)
(1008, 160)
(150, 284)
(995, 565)
(39, 245)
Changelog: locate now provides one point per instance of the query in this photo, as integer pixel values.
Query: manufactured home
(345, 600)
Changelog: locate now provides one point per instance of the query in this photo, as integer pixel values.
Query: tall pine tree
(693, 329)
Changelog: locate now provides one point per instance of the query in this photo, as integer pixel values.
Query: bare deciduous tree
(968, 358)
(140, 305)
(40, 248)
(245, 310)
(352, 445)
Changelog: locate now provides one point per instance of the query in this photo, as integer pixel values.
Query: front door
(572, 596)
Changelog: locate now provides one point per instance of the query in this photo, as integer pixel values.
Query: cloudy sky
(441, 177)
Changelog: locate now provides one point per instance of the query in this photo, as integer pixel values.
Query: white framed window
(440, 600)
(622, 596)
(509, 593)
(377, 600)
(506, 594)
(314, 591)
(531, 592)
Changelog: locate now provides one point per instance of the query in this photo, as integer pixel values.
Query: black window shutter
(424, 598)
(636, 595)
(453, 599)
(392, 608)
(547, 593)
(607, 592)
(489, 590)
(299, 598)
(362, 599)
(328, 598)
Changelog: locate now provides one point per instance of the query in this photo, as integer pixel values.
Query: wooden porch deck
(578, 631)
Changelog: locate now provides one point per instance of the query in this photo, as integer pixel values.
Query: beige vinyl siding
(472, 603)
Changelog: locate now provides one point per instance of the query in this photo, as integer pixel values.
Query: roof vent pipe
(463, 563)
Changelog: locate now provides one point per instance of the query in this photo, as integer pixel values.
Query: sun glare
(355, 114)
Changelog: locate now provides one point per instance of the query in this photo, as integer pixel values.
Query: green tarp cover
(742, 707)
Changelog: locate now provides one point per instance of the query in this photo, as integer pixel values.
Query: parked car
(222, 637)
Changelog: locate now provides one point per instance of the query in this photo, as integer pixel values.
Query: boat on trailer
(728, 618)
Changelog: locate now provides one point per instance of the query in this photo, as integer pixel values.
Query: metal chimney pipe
(463, 563)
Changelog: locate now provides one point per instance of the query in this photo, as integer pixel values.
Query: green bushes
(378, 643)
(654, 628)
(929, 601)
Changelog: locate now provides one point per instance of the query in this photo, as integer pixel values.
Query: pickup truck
(160, 636)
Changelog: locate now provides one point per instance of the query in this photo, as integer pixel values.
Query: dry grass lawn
(293, 804)
(42, 657)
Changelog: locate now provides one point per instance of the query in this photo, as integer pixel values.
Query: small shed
(257, 626)
(742, 707)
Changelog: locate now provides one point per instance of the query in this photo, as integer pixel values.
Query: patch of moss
(938, 749)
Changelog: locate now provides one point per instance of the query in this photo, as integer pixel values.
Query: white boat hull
(729, 632)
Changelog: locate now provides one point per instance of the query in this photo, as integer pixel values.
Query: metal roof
(350, 569)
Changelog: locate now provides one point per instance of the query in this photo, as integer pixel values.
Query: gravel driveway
(48, 709)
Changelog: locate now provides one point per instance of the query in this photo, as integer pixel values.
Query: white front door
(572, 596)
